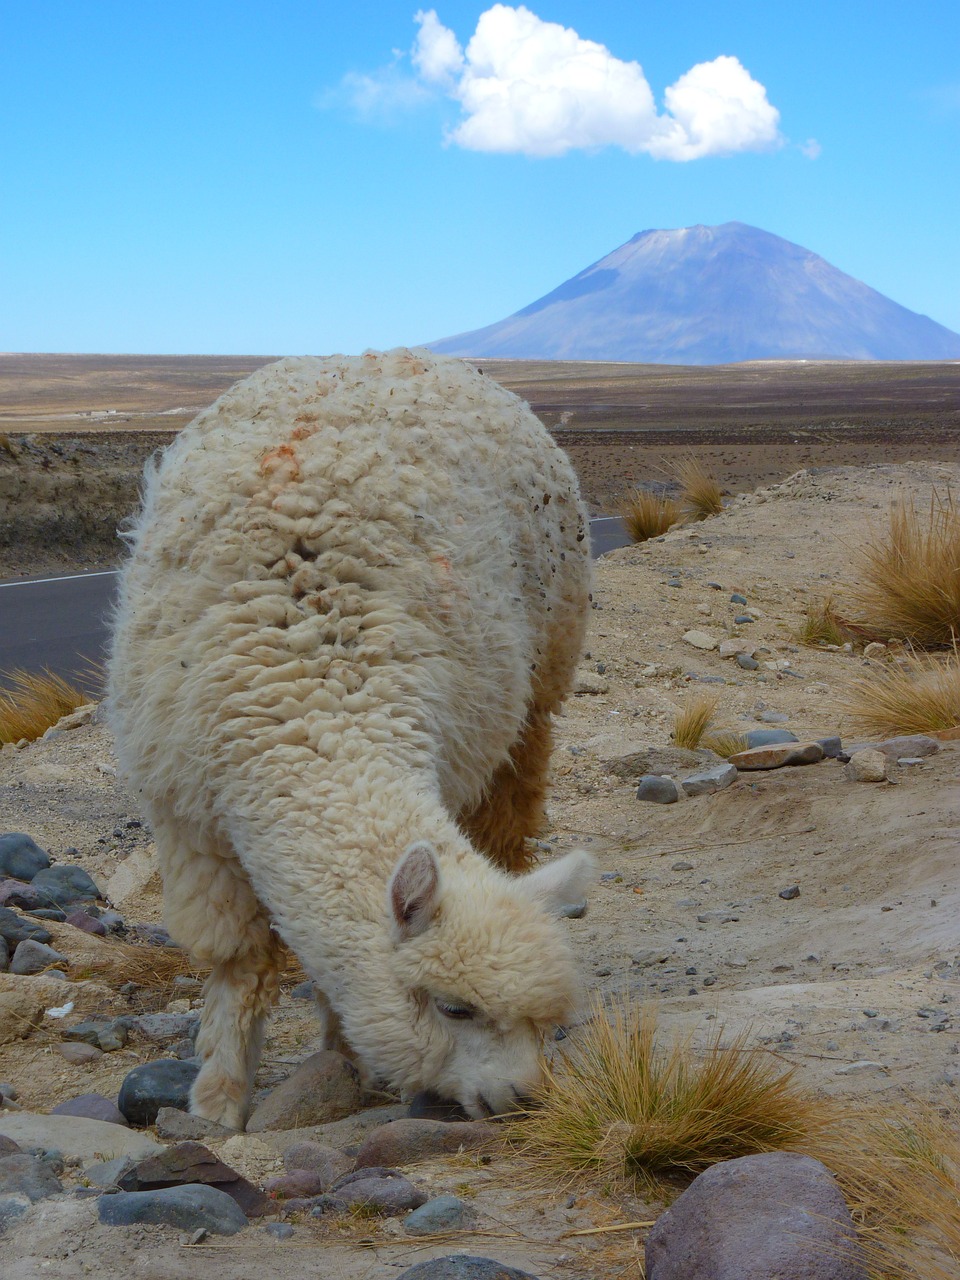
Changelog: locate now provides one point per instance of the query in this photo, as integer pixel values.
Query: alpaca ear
(414, 891)
(560, 883)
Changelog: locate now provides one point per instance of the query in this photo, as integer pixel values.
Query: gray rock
(701, 640)
(659, 760)
(14, 893)
(279, 1230)
(768, 737)
(379, 1190)
(792, 891)
(74, 1136)
(657, 790)
(107, 1173)
(326, 1086)
(21, 857)
(832, 747)
(405, 1141)
(181, 1126)
(4, 956)
(8, 1147)
(461, 1266)
(912, 744)
(191, 1162)
(87, 923)
(164, 1083)
(741, 618)
(187, 1208)
(91, 1106)
(77, 1053)
(153, 934)
(12, 1209)
(323, 1162)
(737, 598)
(25, 1175)
(868, 766)
(747, 662)
(14, 929)
(444, 1213)
(773, 717)
(33, 957)
(63, 885)
(163, 1028)
(710, 780)
(779, 1214)
(299, 1184)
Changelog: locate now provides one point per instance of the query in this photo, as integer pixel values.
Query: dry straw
(919, 695)
(690, 723)
(823, 624)
(33, 702)
(648, 515)
(700, 493)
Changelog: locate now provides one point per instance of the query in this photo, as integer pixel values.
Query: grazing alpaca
(356, 594)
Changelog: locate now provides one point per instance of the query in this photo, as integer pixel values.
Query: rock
(299, 1184)
(778, 754)
(33, 957)
(4, 956)
(166, 1027)
(25, 1175)
(326, 1086)
(406, 1141)
(867, 766)
(181, 1126)
(8, 1147)
(188, 1163)
(731, 648)
(737, 598)
(187, 1208)
(75, 1136)
(912, 744)
(792, 891)
(710, 780)
(462, 1266)
(14, 929)
(658, 790)
(164, 1083)
(659, 761)
(773, 717)
(742, 618)
(779, 1214)
(379, 1190)
(21, 1012)
(153, 934)
(77, 1053)
(91, 1106)
(21, 857)
(279, 1230)
(64, 885)
(832, 747)
(701, 640)
(747, 663)
(863, 1067)
(768, 737)
(87, 923)
(14, 893)
(444, 1213)
(12, 1209)
(590, 682)
(322, 1162)
(107, 1173)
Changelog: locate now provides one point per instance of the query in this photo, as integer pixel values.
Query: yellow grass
(33, 702)
(921, 695)
(822, 624)
(909, 575)
(725, 742)
(700, 493)
(690, 723)
(647, 515)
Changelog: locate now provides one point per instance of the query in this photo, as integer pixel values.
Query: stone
(867, 766)
(832, 747)
(21, 1012)
(75, 1136)
(910, 744)
(777, 755)
(768, 737)
(33, 957)
(165, 1082)
(590, 682)
(64, 885)
(378, 1190)
(778, 1214)
(742, 618)
(747, 663)
(14, 893)
(166, 1027)
(12, 1209)
(107, 1173)
(773, 717)
(792, 891)
(77, 1053)
(279, 1230)
(322, 1162)
(153, 934)
(20, 856)
(187, 1208)
(181, 1126)
(737, 598)
(733, 648)
(14, 929)
(863, 1067)
(657, 790)
(299, 1184)
(701, 640)
(91, 1106)
(26, 1175)
(443, 1213)
(404, 1142)
(8, 1147)
(4, 956)
(188, 1163)
(326, 1086)
(710, 780)
(88, 924)
(462, 1266)
(659, 761)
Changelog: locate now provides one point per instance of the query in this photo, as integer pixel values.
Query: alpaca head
(479, 972)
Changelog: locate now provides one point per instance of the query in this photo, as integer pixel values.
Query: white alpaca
(357, 592)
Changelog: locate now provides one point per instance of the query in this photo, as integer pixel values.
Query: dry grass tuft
(725, 742)
(690, 723)
(823, 624)
(648, 515)
(921, 695)
(33, 702)
(700, 493)
(621, 1103)
(909, 575)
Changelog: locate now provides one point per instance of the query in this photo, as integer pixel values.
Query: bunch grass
(33, 702)
(700, 492)
(648, 515)
(725, 742)
(823, 624)
(692, 720)
(919, 695)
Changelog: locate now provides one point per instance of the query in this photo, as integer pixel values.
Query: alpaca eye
(451, 1010)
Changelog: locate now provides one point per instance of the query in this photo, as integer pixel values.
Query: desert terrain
(853, 981)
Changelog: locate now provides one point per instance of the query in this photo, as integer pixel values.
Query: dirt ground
(854, 983)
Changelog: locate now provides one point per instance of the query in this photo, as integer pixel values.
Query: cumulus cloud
(540, 89)
(811, 148)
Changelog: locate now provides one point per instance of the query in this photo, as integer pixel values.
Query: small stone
(768, 737)
(867, 766)
(875, 649)
(911, 744)
(153, 934)
(717, 917)
(181, 1126)
(92, 1106)
(75, 1136)
(326, 1086)
(107, 1173)
(590, 682)
(299, 1184)
(64, 885)
(378, 1190)
(87, 923)
(461, 1266)
(14, 929)
(777, 755)
(444, 1213)
(77, 1053)
(861, 1068)
(404, 1142)
(832, 747)
(165, 1082)
(792, 891)
(747, 663)
(188, 1208)
(162, 1028)
(26, 1175)
(33, 957)
(682, 866)
(279, 1230)
(657, 789)
(871, 1013)
(741, 618)
(710, 780)
(572, 910)
(773, 717)
(21, 857)
(701, 640)
(737, 598)
(731, 648)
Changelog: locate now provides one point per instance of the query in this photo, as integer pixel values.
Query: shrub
(725, 742)
(920, 695)
(648, 515)
(33, 702)
(690, 723)
(700, 493)
(909, 576)
(823, 624)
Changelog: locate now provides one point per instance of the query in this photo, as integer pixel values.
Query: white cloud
(538, 88)
(811, 148)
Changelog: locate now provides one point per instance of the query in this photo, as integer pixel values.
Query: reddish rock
(326, 1086)
(777, 754)
(190, 1162)
(406, 1141)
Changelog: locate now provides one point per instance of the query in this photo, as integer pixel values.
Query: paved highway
(61, 623)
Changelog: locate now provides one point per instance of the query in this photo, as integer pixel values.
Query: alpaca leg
(512, 810)
(212, 910)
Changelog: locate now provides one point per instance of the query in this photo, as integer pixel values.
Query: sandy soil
(875, 927)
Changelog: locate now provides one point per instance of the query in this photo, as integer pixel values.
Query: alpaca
(356, 595)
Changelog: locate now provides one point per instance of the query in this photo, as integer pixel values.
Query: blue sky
(306, 177)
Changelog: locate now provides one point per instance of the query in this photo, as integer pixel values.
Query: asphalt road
(61, 624)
